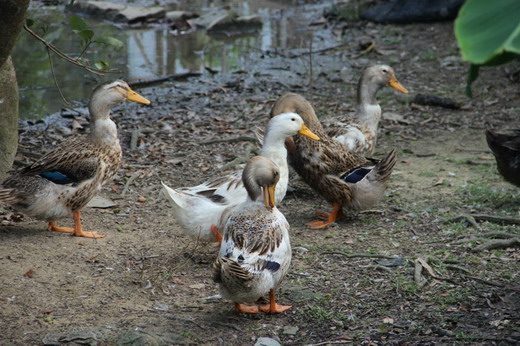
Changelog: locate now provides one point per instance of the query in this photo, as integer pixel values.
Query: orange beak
(394, 83)
(308, 133)
(133, 96)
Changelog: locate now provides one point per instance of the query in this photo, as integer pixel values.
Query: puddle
(155, 51)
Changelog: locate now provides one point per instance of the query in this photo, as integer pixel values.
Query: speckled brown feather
(78, 158)
(246, 238)
(319, 163)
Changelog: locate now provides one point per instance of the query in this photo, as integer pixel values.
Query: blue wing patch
(355, 175)
(57, 177)
(272, 266)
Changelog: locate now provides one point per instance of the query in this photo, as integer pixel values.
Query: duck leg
(246, 309)
(76, 231)
(273, 307)
(216, 233)
(336, 214)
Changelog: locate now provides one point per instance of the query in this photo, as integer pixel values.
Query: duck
(343, 177)
(360, 133)
(506, 149)
(64, 180)
(199, 208)
(255, 252)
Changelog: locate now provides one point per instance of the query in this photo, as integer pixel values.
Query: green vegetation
(488, 34)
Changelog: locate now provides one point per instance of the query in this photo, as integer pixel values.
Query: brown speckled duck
(360, 134)
(506, 149)
(341, 176)
(64, 180)
(255, 252)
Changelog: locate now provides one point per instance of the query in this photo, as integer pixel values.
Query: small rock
(118, 12)
(290, 330)
(300, 249)
(141, 199)
(101, 202)
(210, 19)
(197, 286)
(180, 15)
(394, 262)
(265, 341)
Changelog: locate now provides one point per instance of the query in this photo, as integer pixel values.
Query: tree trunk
(13, 18)
(8, 117)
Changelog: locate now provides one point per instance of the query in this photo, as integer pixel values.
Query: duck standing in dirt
(341, 176)
(255, 252)
(65, 179)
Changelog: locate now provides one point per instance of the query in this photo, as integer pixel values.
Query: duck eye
(293, 119)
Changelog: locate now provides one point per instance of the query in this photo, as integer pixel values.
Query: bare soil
(146, 283)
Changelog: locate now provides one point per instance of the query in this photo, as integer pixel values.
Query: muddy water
(154, 51)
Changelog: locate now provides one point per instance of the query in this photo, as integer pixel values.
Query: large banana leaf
(488, 33)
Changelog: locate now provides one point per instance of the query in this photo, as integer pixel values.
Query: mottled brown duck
(65, 179)
(341, 176)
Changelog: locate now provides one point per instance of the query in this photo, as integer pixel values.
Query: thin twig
(65, 56)
(497, 219)
(498, 244)
(335, 342)
(482, 280)
(356, 255)
(175, 76)
(232, 140)
(54, 77)
(129, 181)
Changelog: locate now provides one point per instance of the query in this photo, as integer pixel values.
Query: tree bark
(8, 117)
(13, 17)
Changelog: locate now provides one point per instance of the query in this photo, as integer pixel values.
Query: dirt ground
(146, 283)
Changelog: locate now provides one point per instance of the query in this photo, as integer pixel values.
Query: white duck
(360, 134)
(255, 252)
(200, 207)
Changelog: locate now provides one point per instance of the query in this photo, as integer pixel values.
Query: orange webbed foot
(273, 307)
(246, 309)
(53, 226)
(76, 231)
(276, 309)
(216, 233)
(336, 214)
(318, 224)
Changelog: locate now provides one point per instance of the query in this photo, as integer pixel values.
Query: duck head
(260, 178)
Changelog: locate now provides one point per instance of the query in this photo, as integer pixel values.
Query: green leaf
(29, 22)
(101, 65)
(485, 29)
(77, 24)
(86, 35)
(110, 41)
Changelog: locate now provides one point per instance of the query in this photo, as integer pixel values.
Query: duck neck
(274, 149)
(368, 111)
(102, 128)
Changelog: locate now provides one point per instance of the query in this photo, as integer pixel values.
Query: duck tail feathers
(7, 195)
(385, 167)
(174, 197)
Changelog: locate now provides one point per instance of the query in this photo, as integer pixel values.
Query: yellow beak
(394, 83)
(133, 96)
(268, 194)
(308, 133)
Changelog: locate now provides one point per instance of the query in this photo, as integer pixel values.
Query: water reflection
(152, 53)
